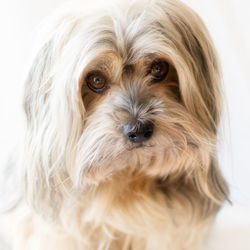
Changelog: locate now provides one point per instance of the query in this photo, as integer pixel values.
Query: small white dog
(122, 103)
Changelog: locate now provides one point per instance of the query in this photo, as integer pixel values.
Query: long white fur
(83, 185)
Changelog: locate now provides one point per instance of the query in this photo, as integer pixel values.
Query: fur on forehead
(131, 31)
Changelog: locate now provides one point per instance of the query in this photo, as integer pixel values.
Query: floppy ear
(200, 86)
(197, 65)
(54, 117)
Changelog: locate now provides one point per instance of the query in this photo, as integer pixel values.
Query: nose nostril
(132, 136)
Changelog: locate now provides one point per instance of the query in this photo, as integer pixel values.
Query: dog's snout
(138, 131)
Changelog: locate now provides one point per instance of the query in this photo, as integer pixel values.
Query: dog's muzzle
(138, 132)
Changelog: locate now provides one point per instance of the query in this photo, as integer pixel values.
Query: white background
(228, 22)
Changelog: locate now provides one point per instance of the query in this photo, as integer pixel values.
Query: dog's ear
(196, 63)
(54, 117)
(199, 76)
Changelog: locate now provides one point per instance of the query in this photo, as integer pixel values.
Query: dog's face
(135, 116)
(133, 87)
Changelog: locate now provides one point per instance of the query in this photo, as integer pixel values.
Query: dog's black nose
(138, 131)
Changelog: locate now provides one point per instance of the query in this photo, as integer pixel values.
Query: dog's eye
(159, 70)
(96, 81)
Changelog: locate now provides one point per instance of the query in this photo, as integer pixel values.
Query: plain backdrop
(228, 22)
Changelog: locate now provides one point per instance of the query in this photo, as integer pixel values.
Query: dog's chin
(134, 158)
(144, 159)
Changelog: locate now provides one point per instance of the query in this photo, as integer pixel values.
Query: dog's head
(133, 86)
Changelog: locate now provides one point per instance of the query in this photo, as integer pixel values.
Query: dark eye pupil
(157, 69)
(97, 80)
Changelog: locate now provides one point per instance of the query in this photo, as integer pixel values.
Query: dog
(122, 104)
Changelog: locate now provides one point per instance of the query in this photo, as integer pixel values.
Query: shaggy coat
(84, 185)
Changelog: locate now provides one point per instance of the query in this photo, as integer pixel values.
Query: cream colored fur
(83, 185)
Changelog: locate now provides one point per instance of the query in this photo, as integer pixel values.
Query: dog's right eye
(159, 70)
(96, 81)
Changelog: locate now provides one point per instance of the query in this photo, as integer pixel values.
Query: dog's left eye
(96, 81)
(159, 70)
